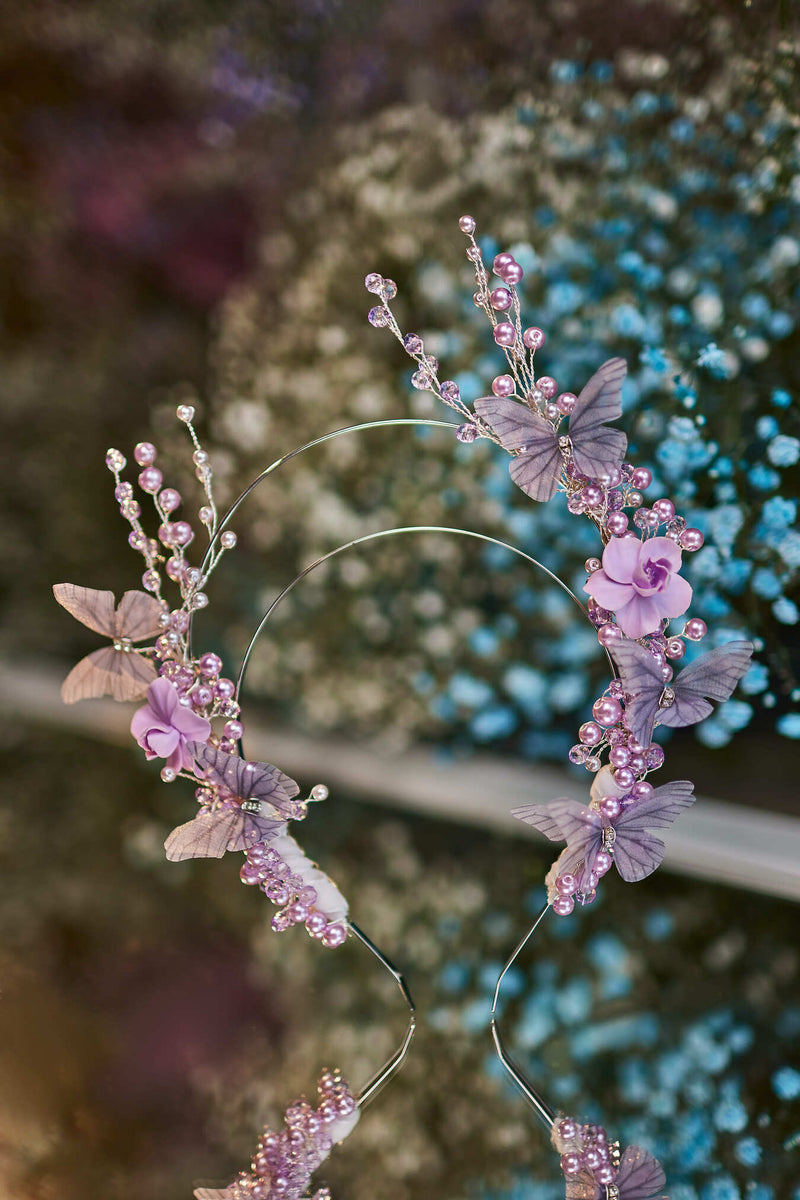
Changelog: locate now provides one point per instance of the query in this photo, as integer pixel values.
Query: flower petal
(163, 699)
(676, 597)
(621, 557)
(162, 742)
(607, 592)
(640, 616)
(143, 719)
(665, 549)
(192, 727)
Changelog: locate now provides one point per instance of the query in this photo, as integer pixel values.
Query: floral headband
(191, 716)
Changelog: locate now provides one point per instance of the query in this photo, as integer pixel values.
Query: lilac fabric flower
(639, 583)
(162, 727)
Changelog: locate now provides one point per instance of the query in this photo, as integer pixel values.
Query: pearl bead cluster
(284, 1162)
(303, 893)
(586, 1149)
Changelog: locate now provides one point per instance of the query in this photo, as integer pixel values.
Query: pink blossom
(639, 583)
(163, 726)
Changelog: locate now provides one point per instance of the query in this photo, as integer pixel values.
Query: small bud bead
(145, 454)
(503, 385)
(228, 539)
(505, 334)
(512, 274)
(617, 523)
(169, 499)
(185, 413)
(150, 480)
(692, 539)
(501, 261)
(466, 224)
(695, 629)
(319, 792)
(115, 461)
(500, 298)
(534, 337)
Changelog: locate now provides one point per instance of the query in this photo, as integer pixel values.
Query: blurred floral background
(193, 193)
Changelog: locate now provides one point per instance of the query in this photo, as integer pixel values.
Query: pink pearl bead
(512, 274)
(602, 863)
(568, 1129)
(665, 509)
(692, 539)
(624, 777)
(563, 906)
(501, 261)
(233, 730)
(534, 337)
(641, 478)
(224, 689)
(675, 648)
(169, 499)
(166, 533)
(590, 733)
(315, 923)
(610, 807)
(500, 298)
(210, 664)
(565, 403)
(182, 533)
(466, 224)
(617, 523)
(333, 936)
(619, 756)
(202, 697)
(145, 454)
(150, 480)
(571, 1164)
(547, 385)
(606, 711)
(605, 1174)
(637, 763)
(695, 629)
(592, 1159)
(608, 634)
(249, 874)
(566, 884)
(503, 385)
(642, 790)
(505, 334)
(174, 568)
(592, 495)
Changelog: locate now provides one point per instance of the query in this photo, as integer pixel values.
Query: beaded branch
(191, 716)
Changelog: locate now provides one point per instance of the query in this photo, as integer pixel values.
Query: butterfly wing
(640, 674)
(125, 676)
(210, 834)
(137, 616)
(542, 817)
(537, 469)
(713, 676)
(582, 1188)
(256, 781)
(594, 447)
(637, 853)
(92, 608)
(640, 1175)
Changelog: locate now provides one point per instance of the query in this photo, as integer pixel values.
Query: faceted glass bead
(185, 413)
(114, 460)
(378, 317)
(413, 343)
(373, 282)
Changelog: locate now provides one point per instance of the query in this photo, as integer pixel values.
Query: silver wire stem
(542, 1109)
(393, 1064)
(383, 533)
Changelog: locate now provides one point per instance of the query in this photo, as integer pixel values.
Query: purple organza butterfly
(640, 1177)
(635, 852)
(252, 805)
(685, 700)
(118, 670)
(593, 447)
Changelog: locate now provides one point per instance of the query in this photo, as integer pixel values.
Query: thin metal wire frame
(371, 1089)
(540, 1106)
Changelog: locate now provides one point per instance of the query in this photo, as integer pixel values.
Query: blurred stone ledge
(714, 840)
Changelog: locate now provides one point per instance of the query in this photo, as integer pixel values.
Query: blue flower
(779, 512)
(783, 451)
(763, 478)
(789, 725)
(786, 1083)
(781, 398)
(786, 611)
(766, 427)
(756, 680)
(748, 1151)
(714, 360)
(767, 584)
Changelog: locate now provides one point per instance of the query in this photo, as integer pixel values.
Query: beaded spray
(191, 717)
